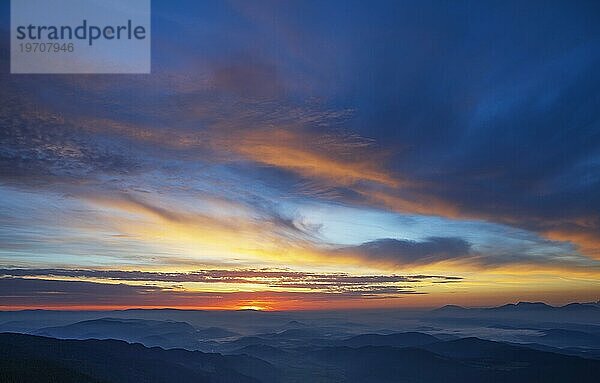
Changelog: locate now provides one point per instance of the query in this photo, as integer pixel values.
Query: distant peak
(524, 306)
(451, 308)
(530, 304)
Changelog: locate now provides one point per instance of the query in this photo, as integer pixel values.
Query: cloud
(458, 253)
(40, 147)
(332, 160)
(232, 230)
(494, 132)
(274, 278)
(18, 292)
(585, 237)
(405, 252)
(48, 293)
(247, 76)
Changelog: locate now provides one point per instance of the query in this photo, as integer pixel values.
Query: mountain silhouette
(467, 360)
(166, 334)
(118, 361)
(405, 339)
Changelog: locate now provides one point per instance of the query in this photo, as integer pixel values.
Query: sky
(309, 155)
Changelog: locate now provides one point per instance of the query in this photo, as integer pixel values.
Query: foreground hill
(463, 360)
(491, 363)
(26, 358)
(405, 339)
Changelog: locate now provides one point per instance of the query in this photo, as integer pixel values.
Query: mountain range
(523, 342)
(41, 359)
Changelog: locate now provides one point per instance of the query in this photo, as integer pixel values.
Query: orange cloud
(337, 161)
(326, 158)
(587, 241)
